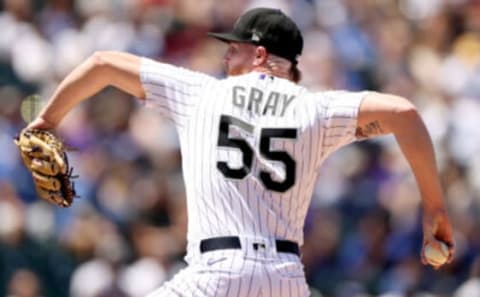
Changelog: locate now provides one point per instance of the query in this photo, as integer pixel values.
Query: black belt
(233, 242)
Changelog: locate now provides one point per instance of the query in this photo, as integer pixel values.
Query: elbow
(100, 67)
(393, 114)
(404, 116)
(405, 110)
(99, 59)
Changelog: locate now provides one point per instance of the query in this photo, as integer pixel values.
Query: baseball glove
(44, 155)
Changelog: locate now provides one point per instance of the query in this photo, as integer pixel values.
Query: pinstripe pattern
(249, 207)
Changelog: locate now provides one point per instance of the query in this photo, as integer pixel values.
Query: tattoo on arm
(370, 129)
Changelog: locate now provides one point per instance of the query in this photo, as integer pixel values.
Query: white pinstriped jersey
(251, 146)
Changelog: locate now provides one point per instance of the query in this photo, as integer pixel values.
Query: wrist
(41, 123)
(432, 218)
(434, 209)
(433, 203)
(48, 120)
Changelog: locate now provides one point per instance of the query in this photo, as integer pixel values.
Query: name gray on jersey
(260, 103)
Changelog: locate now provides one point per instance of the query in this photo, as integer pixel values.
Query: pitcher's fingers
(451, 250)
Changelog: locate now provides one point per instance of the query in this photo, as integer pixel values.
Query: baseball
(436, 257)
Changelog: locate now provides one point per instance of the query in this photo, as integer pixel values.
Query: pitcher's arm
(102, 69)
(383, 114)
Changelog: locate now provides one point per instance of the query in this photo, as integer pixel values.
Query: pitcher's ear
(261, 55)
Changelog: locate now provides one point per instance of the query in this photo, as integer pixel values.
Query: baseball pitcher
(252, 145)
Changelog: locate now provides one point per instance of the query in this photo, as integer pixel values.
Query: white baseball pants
(238, 273)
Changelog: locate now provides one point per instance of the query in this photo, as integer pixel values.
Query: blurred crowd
(126, 234)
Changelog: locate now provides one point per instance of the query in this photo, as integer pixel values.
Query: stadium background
(126, 234)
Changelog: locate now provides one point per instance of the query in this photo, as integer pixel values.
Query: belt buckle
(259, 246)
(264, 247)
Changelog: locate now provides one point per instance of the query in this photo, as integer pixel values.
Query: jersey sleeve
(173, 91)
(338, 117)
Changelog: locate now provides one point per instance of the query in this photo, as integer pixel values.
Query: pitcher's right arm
(381, 114)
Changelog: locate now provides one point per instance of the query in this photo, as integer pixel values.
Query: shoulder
(150, 68)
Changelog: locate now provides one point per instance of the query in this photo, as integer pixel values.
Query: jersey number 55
(266, 135)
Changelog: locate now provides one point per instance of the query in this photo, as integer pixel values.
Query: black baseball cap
(267, 27)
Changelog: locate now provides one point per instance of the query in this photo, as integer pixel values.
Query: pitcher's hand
(437, 229)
